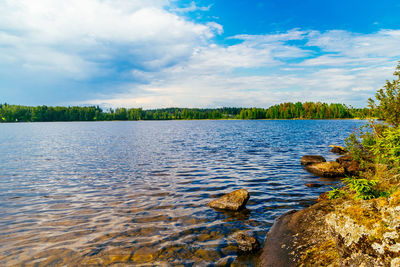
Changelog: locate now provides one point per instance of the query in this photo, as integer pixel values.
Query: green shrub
(336, 193)
(387, 100)
(359, 143)
(363, 188)
(386, 147)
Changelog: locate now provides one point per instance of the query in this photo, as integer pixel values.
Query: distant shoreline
(295, 119)
(307, 110)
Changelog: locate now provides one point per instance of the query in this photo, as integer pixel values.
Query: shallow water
(121, 193)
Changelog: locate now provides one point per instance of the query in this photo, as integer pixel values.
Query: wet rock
(246, 243)
(235, 200)
(313, 185)
(312, 159)
(329, 169)
(338, 149)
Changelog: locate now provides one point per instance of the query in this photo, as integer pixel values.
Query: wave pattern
(136, 193)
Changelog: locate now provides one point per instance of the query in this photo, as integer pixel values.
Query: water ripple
(133, 193)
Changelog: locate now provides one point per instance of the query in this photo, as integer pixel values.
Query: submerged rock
(329, 169)
(235, 200)
(338, 149)
(312, 159)
(313, 185)
(246, 243)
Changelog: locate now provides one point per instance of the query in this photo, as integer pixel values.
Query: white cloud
(71, 36)
(211, 76)
(384, 43)
(192, 7)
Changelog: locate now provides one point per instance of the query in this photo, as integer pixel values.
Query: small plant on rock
(363, 188)
(336, 193)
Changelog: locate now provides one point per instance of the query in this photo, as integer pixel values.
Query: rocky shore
(336, 232)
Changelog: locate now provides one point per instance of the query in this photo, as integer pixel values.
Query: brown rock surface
(312, 159)
(367, 233)
(246, 243)
(322, 197)
(338, 149)
(351, 166)
(313, 185)
(235, 200)
(342, 232)
(344, 159)
(329, 169)
(300, 237)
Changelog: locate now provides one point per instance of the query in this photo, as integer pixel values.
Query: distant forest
(308, 110)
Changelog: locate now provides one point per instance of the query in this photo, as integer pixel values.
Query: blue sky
(161, 53)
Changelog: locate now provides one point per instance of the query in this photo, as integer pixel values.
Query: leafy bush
(336, 193)
(376, 147)
(386, 147)
(363, 188)
(359, 143)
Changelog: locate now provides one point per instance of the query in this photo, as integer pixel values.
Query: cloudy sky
(211, 53)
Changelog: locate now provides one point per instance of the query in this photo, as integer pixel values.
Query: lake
(136, 193)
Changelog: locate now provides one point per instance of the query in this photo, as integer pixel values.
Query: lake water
(136, 193)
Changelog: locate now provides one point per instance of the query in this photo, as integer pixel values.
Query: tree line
(307, 110)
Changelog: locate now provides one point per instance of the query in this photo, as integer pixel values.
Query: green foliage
(308, 110)
(376, 147)
(387, 101)
(363, 188)
(386, 147)
(336, 193)
(358, 144)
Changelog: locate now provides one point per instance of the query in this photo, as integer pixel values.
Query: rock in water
(338, 149)
(246, 243)
(235, 200)
(330, 169)
(313, 185)
(312, 159)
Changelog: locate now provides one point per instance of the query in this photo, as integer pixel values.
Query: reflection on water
(106, 193)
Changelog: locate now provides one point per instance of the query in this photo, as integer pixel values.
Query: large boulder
(330, 169)
(246, 243)
(338, 149)
(341, 232)
(312, 159)
(235, 200)
(300, 239)
(367, 233)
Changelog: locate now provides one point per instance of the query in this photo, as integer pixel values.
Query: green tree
(387, 103)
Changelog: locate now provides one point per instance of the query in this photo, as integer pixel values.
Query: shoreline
(294, 119)
(338, 230)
